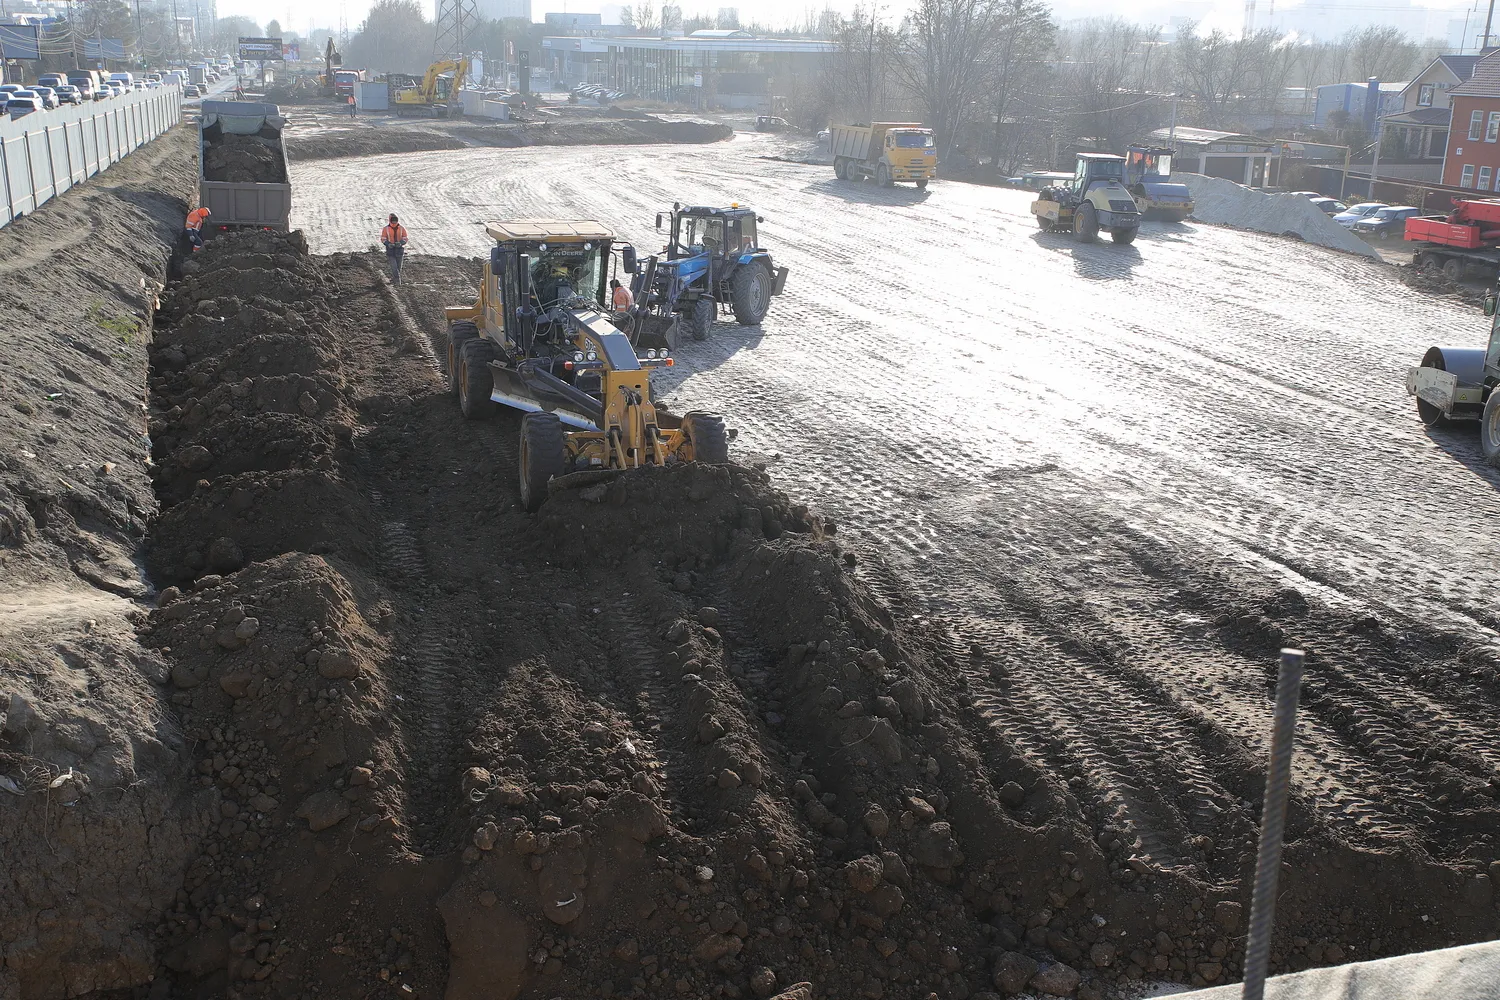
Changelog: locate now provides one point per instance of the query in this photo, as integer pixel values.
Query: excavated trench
(660, 737)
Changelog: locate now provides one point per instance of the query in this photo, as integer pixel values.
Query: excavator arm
(458, 67)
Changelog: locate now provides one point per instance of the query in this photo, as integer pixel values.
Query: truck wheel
(1086, 223)
(840, 168)
(751, 287)
(698, 318)
(1425, 262)
(460, 332)
(922, 185)
(1454, 269)
(1124, 235)
(1489, 429)
(475, 382)
(883, 176)
(709, 438)
(544, 454)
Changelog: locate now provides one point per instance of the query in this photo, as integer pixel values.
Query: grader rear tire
(475, 382)
(460, 332)
(709, 437)
(544, 454)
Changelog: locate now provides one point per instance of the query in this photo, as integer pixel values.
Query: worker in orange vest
(393, 236)
(620, 300)
(194, 226)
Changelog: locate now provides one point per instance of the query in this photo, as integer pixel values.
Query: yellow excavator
(437, 94)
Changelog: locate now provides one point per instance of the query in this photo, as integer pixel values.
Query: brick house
(1473, 157)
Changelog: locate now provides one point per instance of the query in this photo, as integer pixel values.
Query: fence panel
(44, 154)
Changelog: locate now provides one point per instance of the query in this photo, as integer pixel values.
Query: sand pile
(1226, 203)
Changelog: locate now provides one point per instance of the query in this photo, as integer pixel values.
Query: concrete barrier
(46, 153)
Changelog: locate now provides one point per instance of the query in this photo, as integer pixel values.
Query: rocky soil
(246, 159)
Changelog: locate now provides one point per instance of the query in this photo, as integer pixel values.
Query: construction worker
(353, 109)
(621, 300)
(193, 228)
(393, 237)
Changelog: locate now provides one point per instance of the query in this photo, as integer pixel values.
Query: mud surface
(321, 134)
(96, 820)
(245, 159)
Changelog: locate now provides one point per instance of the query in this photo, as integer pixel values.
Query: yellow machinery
(538, 339)
(887, 151)
(437, 93)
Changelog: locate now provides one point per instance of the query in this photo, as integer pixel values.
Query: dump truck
(243, 178)
(1148, 177)
(540, 339)
(1094, 200)
(1468, 236)
(1458, 383)
(713, 262)
(887, 151)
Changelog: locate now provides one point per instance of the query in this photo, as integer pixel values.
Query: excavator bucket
(656, 331)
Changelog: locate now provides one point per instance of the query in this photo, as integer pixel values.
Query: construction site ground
(955, 683)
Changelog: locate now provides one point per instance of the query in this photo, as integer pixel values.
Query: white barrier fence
(45, 153)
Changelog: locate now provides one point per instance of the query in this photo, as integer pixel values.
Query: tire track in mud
(1196, 452)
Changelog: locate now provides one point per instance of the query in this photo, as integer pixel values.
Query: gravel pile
(1226, 203)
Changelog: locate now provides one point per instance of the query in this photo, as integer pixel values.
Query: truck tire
(840, 168)
(1086, 224)
(751, 287)
(460, 332)
(1489, 429)
(1125, 235)
(475, 382)
(709, 438)
(698, 317)
(1454, 269)
(544, 454)
(883, 176)
(922, 184)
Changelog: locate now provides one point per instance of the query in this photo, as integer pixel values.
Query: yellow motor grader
(539, 339)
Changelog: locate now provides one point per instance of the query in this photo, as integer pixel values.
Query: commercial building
(1354, 100)
(709, 68)
(1244, 159)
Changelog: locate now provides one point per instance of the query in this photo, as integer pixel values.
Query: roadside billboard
(291, 51)
(19, 41)
(260, 49)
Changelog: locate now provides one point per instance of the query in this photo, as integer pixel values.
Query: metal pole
(1488, 18)
(1172, 133)
(1344, 181)
(1375, 165)
(1272, 824)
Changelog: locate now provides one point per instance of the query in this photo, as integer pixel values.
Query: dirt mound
(242, 159)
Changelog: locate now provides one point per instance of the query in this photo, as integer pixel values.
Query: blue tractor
(713, 259)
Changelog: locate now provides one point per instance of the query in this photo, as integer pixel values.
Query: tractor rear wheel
(883, 176)
(1489, 429)
(698, 317)
(475, 383)
(460, 332)
(1124, 236)
(544, 454)
(751, 286)
(709, 438)
(1086, 223)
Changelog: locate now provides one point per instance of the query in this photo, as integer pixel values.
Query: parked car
(192, 90)
(48, 96)
(18, 107)
(1387, 224)
(770, 123)
(1329, 206)
(1357, 212)
(69, 94)
(1309, 194)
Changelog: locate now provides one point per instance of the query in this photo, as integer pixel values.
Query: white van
(125, 80)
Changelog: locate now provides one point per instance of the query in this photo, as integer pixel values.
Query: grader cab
(539, 339)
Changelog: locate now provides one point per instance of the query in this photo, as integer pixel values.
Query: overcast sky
(1228, 14)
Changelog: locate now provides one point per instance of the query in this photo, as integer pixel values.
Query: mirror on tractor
(627, 258)
(658, 222)
(1489, 303)
(496, 260)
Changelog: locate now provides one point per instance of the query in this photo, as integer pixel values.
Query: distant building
(1473, 155)
(709, 68)
(575, 24)
(1244, 159)
(1352, 98)
(497, 10)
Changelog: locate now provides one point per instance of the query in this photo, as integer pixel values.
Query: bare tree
(857, 77)
(1026, 39)
(944, 60)
(1380, 51)
(646, 18)
(1215, 68)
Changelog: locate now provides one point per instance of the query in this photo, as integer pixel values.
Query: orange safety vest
(393, 234)
(623, 299)
(195, 218)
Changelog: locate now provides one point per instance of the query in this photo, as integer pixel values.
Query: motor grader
(539, 339)
(1094, 200)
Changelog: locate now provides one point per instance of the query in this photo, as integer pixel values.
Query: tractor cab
(1095, 168)
(1148, 176)
(1147, 162)
(710, 232)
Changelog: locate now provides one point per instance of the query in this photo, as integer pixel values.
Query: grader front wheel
(544, 454)
(708, 435)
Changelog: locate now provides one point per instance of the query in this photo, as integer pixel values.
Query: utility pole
(1488, 20)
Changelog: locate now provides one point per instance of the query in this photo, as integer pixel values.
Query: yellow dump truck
(886, 151)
